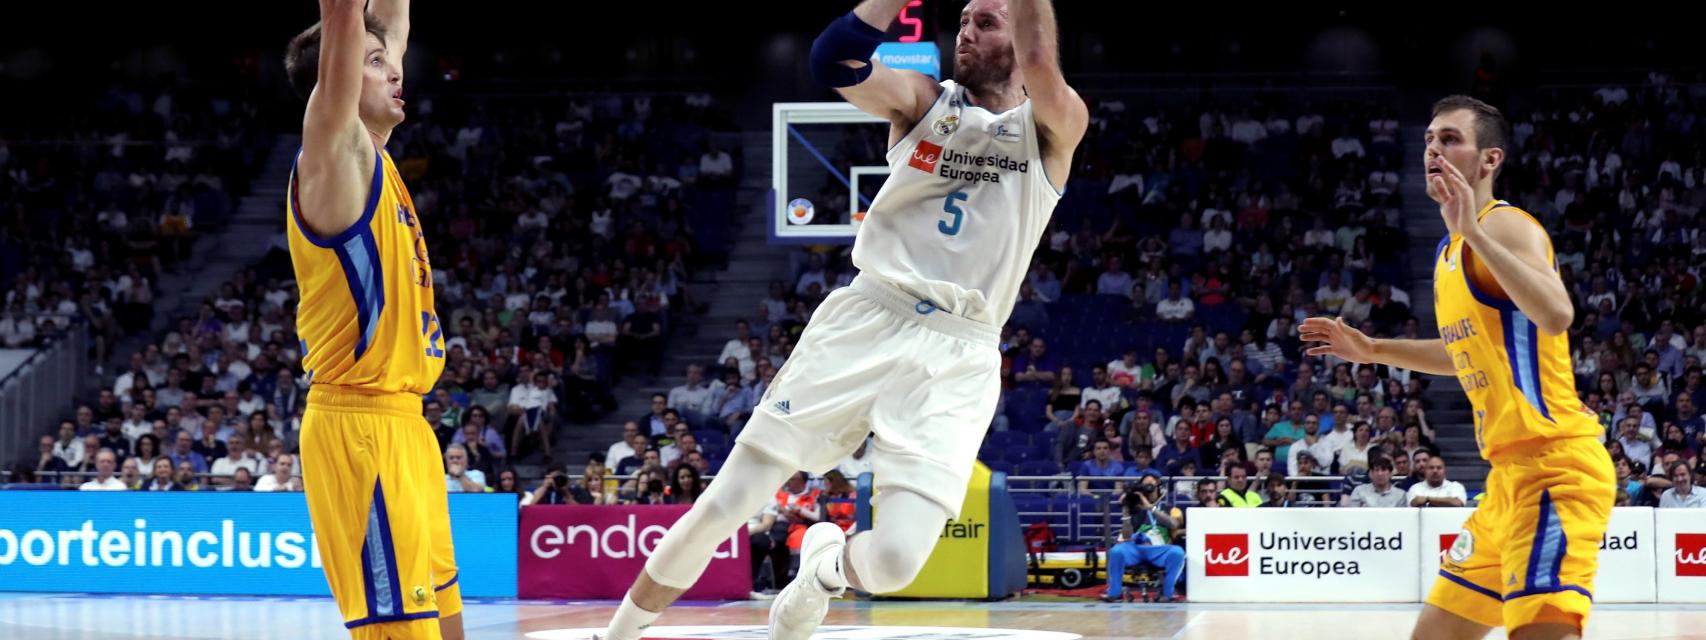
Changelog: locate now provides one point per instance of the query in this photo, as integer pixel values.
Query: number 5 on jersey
(949, 206)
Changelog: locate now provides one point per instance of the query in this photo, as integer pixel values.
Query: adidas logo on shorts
(782, 407)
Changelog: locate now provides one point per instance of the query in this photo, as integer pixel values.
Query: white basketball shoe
(800, 608)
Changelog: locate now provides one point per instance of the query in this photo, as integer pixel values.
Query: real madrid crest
(946, 125)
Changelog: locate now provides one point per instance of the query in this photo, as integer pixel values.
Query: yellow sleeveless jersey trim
(357, 251)
(385, 335)
(1519, 340)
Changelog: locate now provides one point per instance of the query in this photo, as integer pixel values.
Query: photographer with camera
(1148, 535)
(554, 490)
(647, 487)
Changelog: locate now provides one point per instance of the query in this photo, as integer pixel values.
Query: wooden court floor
(100, 617)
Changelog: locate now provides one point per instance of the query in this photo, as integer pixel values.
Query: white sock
(630, 621)
(831, 575)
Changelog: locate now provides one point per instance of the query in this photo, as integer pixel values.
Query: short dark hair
(1492, 130)
(302, 55)
(1380, 463)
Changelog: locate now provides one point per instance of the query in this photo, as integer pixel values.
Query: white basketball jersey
(965, 203)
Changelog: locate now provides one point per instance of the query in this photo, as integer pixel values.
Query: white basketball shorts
(877, 360)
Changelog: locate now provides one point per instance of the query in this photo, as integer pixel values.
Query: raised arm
(841, 59)
(394, 14)
(334, 171)
(1060, 113)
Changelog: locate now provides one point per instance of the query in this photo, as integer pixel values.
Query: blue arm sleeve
(847, 38)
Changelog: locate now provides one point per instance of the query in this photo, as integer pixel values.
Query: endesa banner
(1302, 555)
(211, 543)
(1626, 568)
(596, 551)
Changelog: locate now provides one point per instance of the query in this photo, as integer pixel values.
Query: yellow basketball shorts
(1529, 552)
(376, 495)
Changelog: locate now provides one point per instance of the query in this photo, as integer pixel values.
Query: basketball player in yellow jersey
(1526, 558)
(371, 344)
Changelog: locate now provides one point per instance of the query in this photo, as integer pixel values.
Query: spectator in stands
(130, 473)
(1682, 493)
(458, 477)
(685, 485)
(1284, 433)
(732, 403)
(554, 489)
(638, 444)
(1126, 371)
(238, 457)
(47, 462)
(1065, 398)
(1177, 450)
(1101, 464)
(1264, 465)
(136, 423)
(857, 464)
(1221, 440)
(1401, 470)
(1634, 483)
(623, 448)
(1084, 431)
(1035, 368)
(478, 425)
(434, 414)
(738, 349)
(652, 424)
(1114, 281)
(1332, 295)
(1279, 493)
(160, 479)
(510, 483)
(184, 453)
(684, 443)
(692, 397)
(647, 488)
(480, 456)
(242, 480)
(493, 396)
(1636, 446)
(69, 447)
(210, 445)
(105, 462)
(1379, 491)
(1238, 492)
(186, 477)
(1355, 454)
(1175, 307)
(535, 409)
(1306, 483)
(1437, 491)
(282, 478)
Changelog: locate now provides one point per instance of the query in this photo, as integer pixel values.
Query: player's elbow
(847, 39)
(1556, 320)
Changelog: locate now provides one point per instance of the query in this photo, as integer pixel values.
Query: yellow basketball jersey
(1519, 381)
(366, 319)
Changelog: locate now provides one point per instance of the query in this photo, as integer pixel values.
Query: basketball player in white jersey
(908, 351)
